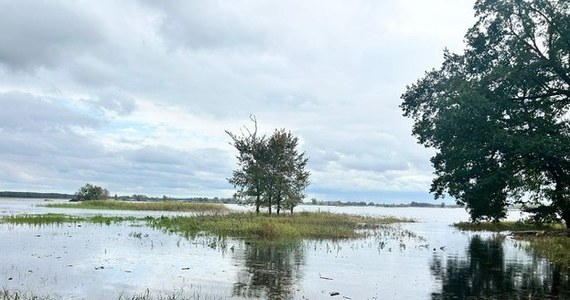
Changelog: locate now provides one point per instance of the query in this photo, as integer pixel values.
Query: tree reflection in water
(270, 270)
(485, 273)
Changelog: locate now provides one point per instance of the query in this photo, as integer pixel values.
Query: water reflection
(270, 270)
(486, 273)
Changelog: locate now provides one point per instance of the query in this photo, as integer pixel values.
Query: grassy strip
(318, 225)
(505, 226)
(153, 206)
(46, 219)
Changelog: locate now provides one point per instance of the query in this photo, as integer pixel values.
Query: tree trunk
(566, 217)
(560, 197)
(278, 202)
(257, 204)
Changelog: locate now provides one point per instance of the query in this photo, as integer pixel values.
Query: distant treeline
(6, 194)
(137, 197)
(362, 203)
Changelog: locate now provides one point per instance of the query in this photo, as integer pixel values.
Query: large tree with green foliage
(497, 114)
(271, 171)
(90, 192)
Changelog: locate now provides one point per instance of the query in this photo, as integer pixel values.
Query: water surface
(76, 261)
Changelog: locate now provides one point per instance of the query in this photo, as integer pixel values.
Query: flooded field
(423, 260)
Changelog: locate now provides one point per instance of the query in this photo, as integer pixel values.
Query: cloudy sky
(135, 95)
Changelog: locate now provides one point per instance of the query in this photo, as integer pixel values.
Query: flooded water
(88, 261)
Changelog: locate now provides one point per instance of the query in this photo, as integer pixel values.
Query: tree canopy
(497, 114)
(271, 172)
(90, 192)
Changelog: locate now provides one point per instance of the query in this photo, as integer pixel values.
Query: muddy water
(87, 261)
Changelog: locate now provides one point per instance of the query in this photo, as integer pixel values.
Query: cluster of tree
(271, 171)
(498, 113)
(90, 192)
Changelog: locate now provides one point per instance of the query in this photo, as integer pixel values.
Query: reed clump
(150, 206)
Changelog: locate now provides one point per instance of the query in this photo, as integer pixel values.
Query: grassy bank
(317, 225)
(151, 206)
(548, 241)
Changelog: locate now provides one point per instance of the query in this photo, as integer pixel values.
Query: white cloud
(136, 95)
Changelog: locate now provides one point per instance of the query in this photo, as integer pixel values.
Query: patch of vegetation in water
(545, 240)
(555, 248)
(6, 294)
(46, 219)
(150, 206)
(505, 226)
(316, 225)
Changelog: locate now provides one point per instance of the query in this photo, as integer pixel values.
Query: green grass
(315, 225)
(505, 226)
(152, 206)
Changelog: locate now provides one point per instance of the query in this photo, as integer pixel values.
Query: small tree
(90, 192)
(250, 177)
(271, 171)
(287, 170)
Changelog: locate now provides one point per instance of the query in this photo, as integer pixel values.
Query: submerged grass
(317, 225)
(152, 206)
(555, 248)
(545, 240)
(6, 294)
(45, 219)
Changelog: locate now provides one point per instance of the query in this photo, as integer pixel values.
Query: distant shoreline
(35, 195)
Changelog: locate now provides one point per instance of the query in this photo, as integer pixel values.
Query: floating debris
(325, 278)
